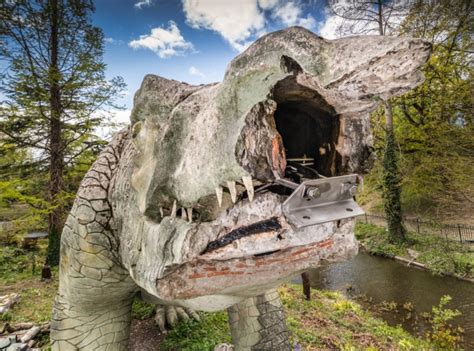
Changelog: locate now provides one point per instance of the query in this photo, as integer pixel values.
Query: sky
(192, 40)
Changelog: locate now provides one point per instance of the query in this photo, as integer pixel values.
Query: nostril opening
(306, 217)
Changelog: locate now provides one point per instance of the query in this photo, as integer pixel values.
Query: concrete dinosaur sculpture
(181, 206)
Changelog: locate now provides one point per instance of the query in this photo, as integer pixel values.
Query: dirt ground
(145, 336)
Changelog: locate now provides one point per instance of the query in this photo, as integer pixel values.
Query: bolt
(349, 188)
(313, 192)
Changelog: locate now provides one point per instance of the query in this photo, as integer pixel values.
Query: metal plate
(324, 200)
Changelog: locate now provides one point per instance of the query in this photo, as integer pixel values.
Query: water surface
(380, 279)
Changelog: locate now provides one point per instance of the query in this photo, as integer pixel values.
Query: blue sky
(192, 40)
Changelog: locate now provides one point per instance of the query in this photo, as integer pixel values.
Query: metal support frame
(319, 201)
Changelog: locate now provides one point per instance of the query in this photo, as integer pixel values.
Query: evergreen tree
(55, 90)
(391, 188)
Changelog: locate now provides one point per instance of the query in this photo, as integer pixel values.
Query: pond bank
(438, 255)
(397, 293)
(422, 266)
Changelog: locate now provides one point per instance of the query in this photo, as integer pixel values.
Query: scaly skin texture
(92, 308)
(124, 235)
(258, 324)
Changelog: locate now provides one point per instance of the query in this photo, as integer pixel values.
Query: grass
(20, 272)
(193, 335)
(440, 256)
(328, 321)
(331, 321)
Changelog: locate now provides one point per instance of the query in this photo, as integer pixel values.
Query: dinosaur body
(180, 206)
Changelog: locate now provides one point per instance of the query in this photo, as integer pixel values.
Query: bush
(443, 335)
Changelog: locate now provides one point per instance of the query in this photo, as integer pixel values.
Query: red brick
(197, 275)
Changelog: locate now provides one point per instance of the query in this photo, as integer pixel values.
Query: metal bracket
(324, 200)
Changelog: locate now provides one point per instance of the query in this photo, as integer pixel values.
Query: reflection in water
(381, 279)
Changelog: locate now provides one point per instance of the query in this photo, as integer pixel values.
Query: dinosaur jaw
(253, 255)
(213, 284)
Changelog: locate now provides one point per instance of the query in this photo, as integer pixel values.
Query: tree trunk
(258, 323)
(380, 17)
(306, 285)
(55, 144)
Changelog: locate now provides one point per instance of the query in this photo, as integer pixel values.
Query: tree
(55, 88)
(435, 121)
(379, 17)
(363, 17)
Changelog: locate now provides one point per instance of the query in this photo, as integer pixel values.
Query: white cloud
(267, 4)
(195, 72)
(113, 41)
(240, 22)
(121, 116)
(143, 3)
(329, 28)
(290, 14)
(120, 119)
(236, 21)
(164, 42)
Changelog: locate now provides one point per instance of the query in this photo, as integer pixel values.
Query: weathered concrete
(258, 323)
(165, 188)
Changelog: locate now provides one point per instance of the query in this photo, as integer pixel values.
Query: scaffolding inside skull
(309, 127)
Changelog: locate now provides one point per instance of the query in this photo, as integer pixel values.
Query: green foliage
(56, 96)
(331, 321)
(54, 242)
(443, 335)
(377, 241)
(442, 256)
(192, 335)
(15, 263)
(327, 321)
(439, 255)
(364, 230)
(142, 310)
(391, 191)
(434, 124)
(6, 317)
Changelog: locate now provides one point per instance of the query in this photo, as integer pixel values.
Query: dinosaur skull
(207, 227)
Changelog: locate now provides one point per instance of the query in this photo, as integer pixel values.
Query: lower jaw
(249, 276)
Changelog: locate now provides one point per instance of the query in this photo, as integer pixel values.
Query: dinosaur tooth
(247, 180)
(190, 214)
(183, 213)
(219, 191)
(161, 212)
(173, 210)
(233, 191)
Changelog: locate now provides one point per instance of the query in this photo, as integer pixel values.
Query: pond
(372, 280)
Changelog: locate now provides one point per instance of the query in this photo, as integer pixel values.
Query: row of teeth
(187, 213)
(246, 180)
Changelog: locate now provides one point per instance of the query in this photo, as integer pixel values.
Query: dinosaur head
(209, 211)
